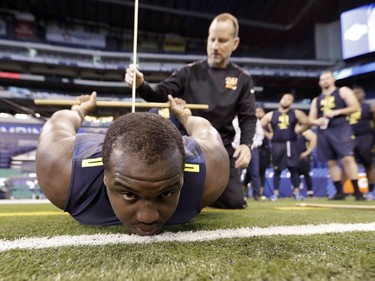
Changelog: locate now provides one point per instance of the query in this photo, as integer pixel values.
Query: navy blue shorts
(335, 143)
(362, 148)
(284, 155)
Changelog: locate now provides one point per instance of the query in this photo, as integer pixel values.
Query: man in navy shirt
(284, 148)
(362, 123)
(329, 112)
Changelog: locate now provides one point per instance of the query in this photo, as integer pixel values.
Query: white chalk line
(186, 236)
(24, 201)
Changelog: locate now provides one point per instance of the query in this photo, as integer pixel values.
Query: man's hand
(87, 103)
(330, 114)
(177, 107)
(243, 155)
(304, 154)
(129, 76)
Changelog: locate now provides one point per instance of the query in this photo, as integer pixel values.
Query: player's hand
(132, 72)
(304, 154)
(177, 107)
(330, 114)
(87, 103)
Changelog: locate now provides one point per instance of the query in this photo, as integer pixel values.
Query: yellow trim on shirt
(93, 162)
(192, 168)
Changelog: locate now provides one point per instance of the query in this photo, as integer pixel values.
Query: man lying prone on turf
(141, 173)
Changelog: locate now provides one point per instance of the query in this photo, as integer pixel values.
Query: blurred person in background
(284, 148)
(306, 143)
(252, 175)
(264, 151)
(362, 123)
(329, 112)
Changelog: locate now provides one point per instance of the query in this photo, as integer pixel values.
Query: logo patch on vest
(231, 83)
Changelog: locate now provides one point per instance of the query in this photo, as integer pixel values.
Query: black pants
(233, 196)
(252, 173)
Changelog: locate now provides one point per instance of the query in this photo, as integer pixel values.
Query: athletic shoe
(370, 196)
(244, 206)
(299, 197)
(256, 197)
(273, 198)
(310, 193)
(338, 196)
(359, 197)
(263, 198)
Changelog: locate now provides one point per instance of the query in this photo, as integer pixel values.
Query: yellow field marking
(337, 206)
(297, 208)
(28, 214)
(218, 210)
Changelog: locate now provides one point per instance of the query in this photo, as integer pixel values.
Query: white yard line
(24, 201)
(187, 236)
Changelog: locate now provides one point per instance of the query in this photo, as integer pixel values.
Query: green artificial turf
(333, 256)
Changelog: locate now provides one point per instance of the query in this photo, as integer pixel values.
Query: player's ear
(105, 179)
(236, 43)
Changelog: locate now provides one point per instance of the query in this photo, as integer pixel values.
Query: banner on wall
(59, 35)
(11, 128)
(24, 26)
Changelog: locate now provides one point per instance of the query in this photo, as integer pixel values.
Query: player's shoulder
(197, 64)
(269, 114)
(345, 90)
(239, 69)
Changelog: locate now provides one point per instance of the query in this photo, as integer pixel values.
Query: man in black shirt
(225, 87)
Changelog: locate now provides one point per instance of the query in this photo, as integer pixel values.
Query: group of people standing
(339, 125)
(288, 143)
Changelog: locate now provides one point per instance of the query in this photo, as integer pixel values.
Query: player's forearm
(348, 110)
(67, 121)
(151, 94)
(248, 130)
(313, 121)
(303, 127)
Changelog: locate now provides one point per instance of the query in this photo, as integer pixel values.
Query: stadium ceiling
(289, 24)
(269, 29)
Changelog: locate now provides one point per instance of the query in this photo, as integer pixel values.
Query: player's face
(143, 196)
(359, 94)
(326, 80)
(286, 101)
(220, 43)
(259, 112)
